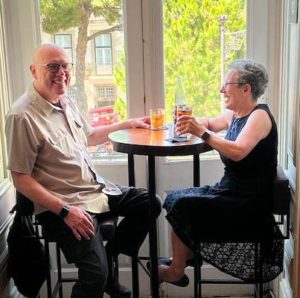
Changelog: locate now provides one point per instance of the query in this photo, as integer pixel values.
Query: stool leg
(259, 290)
(197, 270)
(116, 267)
(135, 277)
(259, 256)
(113, 268)
(49, 285)
(59, 275)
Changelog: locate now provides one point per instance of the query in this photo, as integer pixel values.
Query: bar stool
(281, 211)
(107, 227)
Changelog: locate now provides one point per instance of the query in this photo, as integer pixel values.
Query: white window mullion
(134, 56)
(22, 35)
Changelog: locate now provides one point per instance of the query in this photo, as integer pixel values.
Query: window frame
(4, 103)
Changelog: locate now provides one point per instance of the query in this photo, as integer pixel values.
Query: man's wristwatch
(205, 136)
(64, 211)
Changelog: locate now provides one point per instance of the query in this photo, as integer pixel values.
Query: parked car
(97, 117)
(103, 116)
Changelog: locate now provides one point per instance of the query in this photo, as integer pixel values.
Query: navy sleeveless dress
(240, 204)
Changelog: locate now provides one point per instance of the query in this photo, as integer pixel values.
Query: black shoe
(116, 290)
(182, 282)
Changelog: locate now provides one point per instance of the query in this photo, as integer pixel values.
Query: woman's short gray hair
(251, 73)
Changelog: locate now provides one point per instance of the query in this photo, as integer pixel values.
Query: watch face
(205, 136)
(64, 212)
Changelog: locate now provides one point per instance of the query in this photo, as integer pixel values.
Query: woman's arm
(257, 127)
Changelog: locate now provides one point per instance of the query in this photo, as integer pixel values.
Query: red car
(103, 116)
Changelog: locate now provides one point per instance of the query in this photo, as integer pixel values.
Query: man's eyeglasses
(54, 67)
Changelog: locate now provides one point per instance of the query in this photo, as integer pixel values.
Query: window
(65, 41)
(201, 38)
(105, 96)
(98, 80)
(103, 54)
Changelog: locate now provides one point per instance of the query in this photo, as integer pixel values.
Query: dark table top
(142, 141)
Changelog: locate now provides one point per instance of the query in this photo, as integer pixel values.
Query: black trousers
(89, 256)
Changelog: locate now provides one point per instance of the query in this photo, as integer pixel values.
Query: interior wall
(293, 46)
(288, 125)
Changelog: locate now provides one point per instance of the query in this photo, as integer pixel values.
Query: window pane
(200, 39)
(104, 40)
(98, 78)
(64, 40)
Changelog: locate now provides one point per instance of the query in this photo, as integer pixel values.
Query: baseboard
(285, 290)
(167, 290)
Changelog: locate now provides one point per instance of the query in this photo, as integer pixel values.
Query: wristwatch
(64, 211)
(205, 136)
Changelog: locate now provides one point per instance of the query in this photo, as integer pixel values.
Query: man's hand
(80, 222)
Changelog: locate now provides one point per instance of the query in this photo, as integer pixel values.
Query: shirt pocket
(61, 143)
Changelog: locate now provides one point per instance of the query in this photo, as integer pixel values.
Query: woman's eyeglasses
(54, 67)
(228, 83)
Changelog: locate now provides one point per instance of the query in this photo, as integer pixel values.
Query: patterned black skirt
(223, 220)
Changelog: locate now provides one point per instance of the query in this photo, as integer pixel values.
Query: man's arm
(78, 220)
(101, 133)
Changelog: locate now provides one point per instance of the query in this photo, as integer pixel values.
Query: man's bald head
(48, 68)
(44, 51)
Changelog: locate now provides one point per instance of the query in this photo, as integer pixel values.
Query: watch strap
(64, 211)
(205, 136)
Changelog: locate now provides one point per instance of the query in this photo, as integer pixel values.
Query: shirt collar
(42, 104)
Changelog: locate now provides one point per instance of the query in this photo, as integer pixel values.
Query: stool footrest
(69, 279)
(224, 281)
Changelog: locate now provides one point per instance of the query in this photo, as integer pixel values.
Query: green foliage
(121, 108)
(60, 15)
(193, 50)
(120, 80)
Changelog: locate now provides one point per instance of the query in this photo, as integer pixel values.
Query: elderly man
(47, 141)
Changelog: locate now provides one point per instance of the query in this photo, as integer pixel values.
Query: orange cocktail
(157, 118)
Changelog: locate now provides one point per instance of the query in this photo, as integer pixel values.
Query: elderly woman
(240, 202)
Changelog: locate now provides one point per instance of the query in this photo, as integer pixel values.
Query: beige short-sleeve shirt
(50, 144)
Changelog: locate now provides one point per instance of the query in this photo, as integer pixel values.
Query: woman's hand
(189, 124)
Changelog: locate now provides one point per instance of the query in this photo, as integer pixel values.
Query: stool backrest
(281, 196)
(281, 201)
(24, 206)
